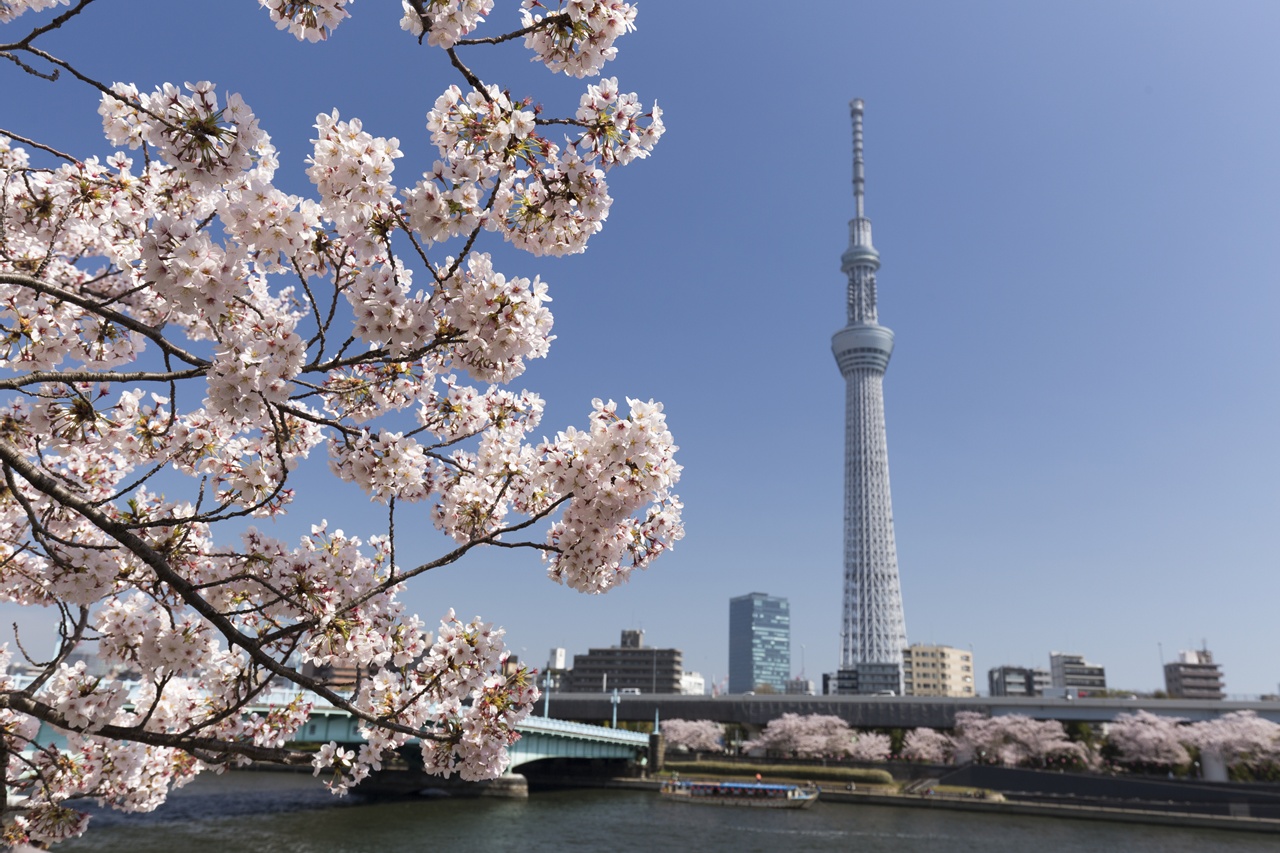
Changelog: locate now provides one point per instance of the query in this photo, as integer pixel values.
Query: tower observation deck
(873, 633)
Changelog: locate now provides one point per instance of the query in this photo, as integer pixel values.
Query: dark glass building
(759, 643)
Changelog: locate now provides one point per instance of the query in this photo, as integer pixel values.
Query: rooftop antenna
(859, 184)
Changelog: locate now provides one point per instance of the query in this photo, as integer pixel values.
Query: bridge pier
(512, 786)
(404, 782)
(657, 752)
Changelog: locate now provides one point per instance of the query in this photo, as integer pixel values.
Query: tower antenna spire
(860, 261)
(859, 184)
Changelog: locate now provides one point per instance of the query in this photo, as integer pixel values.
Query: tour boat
(762, 795)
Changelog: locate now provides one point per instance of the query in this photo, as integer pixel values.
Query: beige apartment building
(937, 671)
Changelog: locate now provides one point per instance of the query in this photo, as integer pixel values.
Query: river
(290, 813)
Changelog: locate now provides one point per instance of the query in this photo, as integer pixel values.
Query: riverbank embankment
(1070, 811)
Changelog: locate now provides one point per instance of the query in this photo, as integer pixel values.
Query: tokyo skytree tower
(874, 631)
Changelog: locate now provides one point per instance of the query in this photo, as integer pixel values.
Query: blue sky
(1076, 206)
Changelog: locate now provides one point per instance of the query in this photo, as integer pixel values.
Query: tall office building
(759, 643)
(874, 631)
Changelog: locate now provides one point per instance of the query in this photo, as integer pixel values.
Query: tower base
(868, 679)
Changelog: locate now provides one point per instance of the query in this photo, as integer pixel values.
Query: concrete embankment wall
(1058, 810)
(1031, 809)
(1139, 792)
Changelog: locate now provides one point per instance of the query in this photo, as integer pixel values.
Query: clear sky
(1076, 206)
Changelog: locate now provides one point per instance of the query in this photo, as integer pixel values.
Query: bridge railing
(547, 725)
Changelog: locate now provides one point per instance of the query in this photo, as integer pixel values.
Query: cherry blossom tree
(807, 736)
(1015, 740)
(180, 335)
(871, 746)
(927, 746)
(694, 735)
(1241, 741)
(1247, 744)
(1146, 742)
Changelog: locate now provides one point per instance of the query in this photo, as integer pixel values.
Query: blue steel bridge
(540, 737)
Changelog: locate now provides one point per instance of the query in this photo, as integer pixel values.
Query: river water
(290, 813)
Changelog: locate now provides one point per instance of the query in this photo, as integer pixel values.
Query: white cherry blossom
(178, 335)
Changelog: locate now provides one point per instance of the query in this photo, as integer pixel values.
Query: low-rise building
(1018, 681)
(864, 679)
(693, 684)
(937, 671)
(1076, 675)
(552, 678)
(630, 666)
(1194, 676)
(800, 686)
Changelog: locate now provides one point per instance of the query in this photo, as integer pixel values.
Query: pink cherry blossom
(804, 736)
(1147, 741)
(1014, 740)
(1245, 742)
(694, 735)
(928, 746)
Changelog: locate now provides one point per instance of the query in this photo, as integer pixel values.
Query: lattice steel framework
(874, 631)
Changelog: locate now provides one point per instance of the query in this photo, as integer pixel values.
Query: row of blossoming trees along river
(1142, 742)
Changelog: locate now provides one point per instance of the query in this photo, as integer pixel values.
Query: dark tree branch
(183, 589)
(151, 333)
(549, 21)
(51, 76)
(42, 376)
(56, 23)
(476, 82)
(217, 748)
(35, 144)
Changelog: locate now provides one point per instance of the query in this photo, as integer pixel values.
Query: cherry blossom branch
(124, 320)
(56, 23)
(212, 750)
(183, 589)
(556, 20)
(190, 248)
(475, 82)
(34, 72)
(493, 538)
(43, 376)
(16, 138)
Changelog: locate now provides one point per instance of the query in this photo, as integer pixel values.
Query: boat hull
(741, 794)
